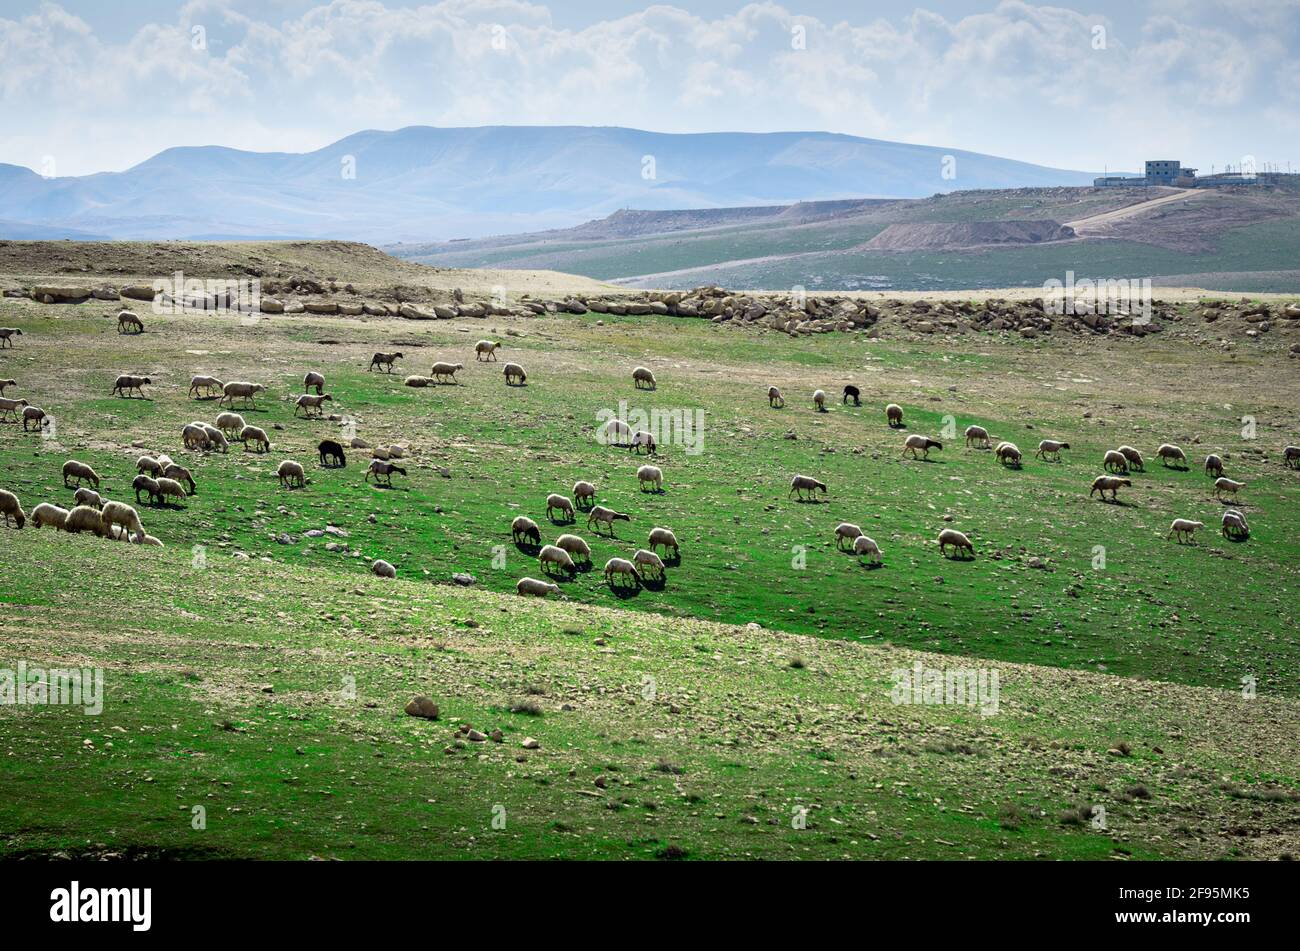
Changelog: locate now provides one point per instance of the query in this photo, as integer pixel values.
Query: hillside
(423, 183)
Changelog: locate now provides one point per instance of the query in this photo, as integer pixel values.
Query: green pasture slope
(270, 690)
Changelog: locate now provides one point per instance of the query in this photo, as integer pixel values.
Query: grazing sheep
(1184, 529)
(148, 540)
(575, 546)
(11, 509)
(417, 382)
(170, 487)
(851, 392)
(72, 469)
(243, 390)
(846, 532)
(1111, 484)
(84, 518)
(1169, 451)
(642, 438)
(621, 567)
(194, 436)
(380, 469)
(774, 397)
(148, 465)
(7, 335)
(307, 402)
(648, 562)
(1115, 461)
(119, 513)
(862, 545)
(216, 438)
(125, 383)
(1224, 484)
(642, 378)
(524, 528)
(89, 498)
(331, 454)
(128, 321)
(978, 435)
(486, 350)
(560, 503)
(617, 433)
(385, 360)
(1052, 448)
(1133, 457)
(5, 384)
(255, 436)
(291, 474)
(205, 383)
(1213, 464)
(650, 476)
(313, 381)
(802, 483)
(1234, 524)
(514, 374)
(958, 541)
(444, 371)
(179, 475)
(554, 555)
(819, 400)
(117, 534)
(48, 514)
(584, 493)
(665, 537)
(1291, 457)
(232, 424)
(607, 517)
(10, 407)
(383, 569)
(148, 485)
(924, 443)
(33, 414)
(535, 588)
(894, 416)
(1007, 453)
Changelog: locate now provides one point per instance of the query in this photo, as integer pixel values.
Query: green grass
(305, 771)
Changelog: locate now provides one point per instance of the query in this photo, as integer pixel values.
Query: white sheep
(308, 402)
(1007, 453)
(194, 436)
(205, 383)
(180, 475)
(642, 378)
(560, 503)
(1234, 524)
(648, 562)
(846, 532)
(241, 390)
(486, 350)
(11, 509)
(127, 320)
(650, 476)
(802, 483)
(1133, 457)
(606, 517)
(584, 493)
(49, 514)
(862, 545)
(33, 414)
(894, 415)
(125, 384)
(255, 436)
(382, 470)
(643, 438)
(383, 569)
(665, 537)
(79, 471)
(170, 487)
(1111, 484)
(621, 567)
(575, 546)
(11, 407)
(535, 588)
(1115, 461)
(924, 443)
(5, 384)
(146, 484)
(417, 382)
(524, 528)
(291, 473)
(89, 497)
(232, 424)
(977, 435)
(774, 397)
(216, 438)
(84, 518)
(1224, 484)
(950, 537)
(1052, 448)
(445, 371)
(1169, 451)
(557, 556)
(1184, 529)
(148, 465)
(819, 400)
(1214, 464)
(313, 381)
(617, 433)
(119, 513)
(514, 374)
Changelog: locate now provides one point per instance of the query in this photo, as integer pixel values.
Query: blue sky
(89, 86)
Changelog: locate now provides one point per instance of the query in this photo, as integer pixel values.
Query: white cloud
(1017, 80)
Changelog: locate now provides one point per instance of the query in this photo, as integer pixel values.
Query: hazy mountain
(423, 183)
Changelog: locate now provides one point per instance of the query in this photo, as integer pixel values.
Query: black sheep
(332, 451)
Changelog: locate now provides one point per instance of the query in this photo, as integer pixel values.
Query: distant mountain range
(423, 184)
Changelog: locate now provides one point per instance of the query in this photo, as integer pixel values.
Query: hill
(421, 183)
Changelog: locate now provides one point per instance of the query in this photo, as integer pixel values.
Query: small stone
(530, 744)
(422, 706)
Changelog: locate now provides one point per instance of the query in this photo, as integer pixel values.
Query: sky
(89, 86)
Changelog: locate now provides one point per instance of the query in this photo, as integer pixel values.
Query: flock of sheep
(160, 478)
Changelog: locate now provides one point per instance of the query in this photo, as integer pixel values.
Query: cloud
(1020, 80)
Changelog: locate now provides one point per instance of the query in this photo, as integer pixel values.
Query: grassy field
(746, 723)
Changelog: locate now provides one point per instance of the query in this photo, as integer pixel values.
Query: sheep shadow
(960, 554)
(583, 567)
(922, 459)
(389, 487)
(1176, 467)
(813, 501)
(585, 505)
(624, 591)
(871, 565)
(672, 561)
(1237, 539)
(563, 520)
(654, 491)
(332, 465)
(654, 583)
(531, 549)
